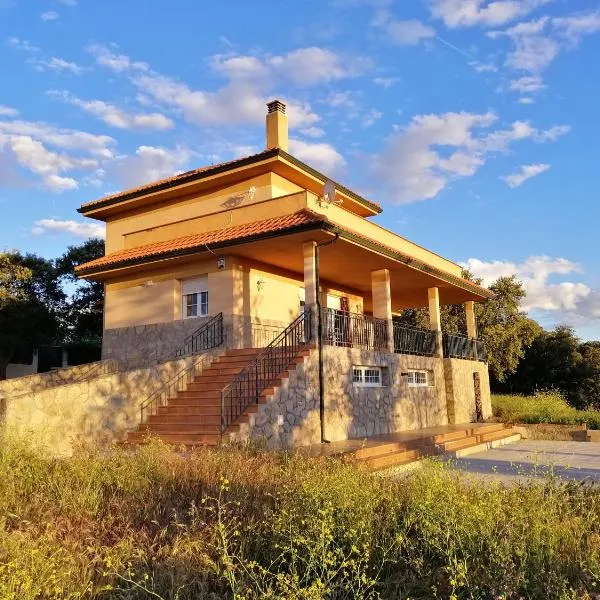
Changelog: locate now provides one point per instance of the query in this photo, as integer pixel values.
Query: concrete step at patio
(393, 459)
(483, 446)
(459, 444)
(452, 436)
(369, 452)
(495, 435)
(176, 438)
(488, 428)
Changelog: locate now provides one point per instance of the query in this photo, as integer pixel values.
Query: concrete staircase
(193, 416)
(457, 443)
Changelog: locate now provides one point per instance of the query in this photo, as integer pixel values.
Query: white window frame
(194, 293)
(418, 378)
(367, 376)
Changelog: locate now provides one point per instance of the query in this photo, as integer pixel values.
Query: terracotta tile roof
(173, 180)
(200, 241)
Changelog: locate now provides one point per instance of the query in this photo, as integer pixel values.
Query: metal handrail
(409, 340)
(342, 328)
(248, 385)
(177, 383)
(462, 346)
(209, 335)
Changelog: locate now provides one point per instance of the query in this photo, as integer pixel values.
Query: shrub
(240, 523)
(542, 407)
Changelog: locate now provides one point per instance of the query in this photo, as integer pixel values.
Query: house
(282, 278)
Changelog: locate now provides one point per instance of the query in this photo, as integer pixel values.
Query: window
(194, 295)
(417, 378)
(366, 376)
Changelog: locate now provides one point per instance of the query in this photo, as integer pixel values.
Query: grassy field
(547, 407)
(235, 523)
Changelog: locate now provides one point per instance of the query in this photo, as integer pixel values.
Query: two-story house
(281, 272)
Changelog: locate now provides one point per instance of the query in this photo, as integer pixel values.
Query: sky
(473, 123)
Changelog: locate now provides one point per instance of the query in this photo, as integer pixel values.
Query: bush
(238, 523)
(543, 407)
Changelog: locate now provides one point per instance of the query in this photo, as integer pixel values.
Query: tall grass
(238, 523)
(543, 407)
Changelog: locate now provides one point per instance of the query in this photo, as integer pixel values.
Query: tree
(505, 330)
(30, 300)
(85, 306)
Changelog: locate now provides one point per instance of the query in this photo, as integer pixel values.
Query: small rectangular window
(194, 296)
(366, 376)
(417, 378)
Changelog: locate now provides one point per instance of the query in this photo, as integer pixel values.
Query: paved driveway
(533, 459)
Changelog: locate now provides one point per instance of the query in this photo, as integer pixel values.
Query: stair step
(496, 435)
(190, 409)
(489, 428)
(393, 459)
(369, 452)
(451, 436)
(459, 444)
(186, 439)
(244, 352)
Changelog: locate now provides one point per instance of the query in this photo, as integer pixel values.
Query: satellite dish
(329, 193)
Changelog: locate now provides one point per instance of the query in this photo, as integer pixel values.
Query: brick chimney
(277, 126)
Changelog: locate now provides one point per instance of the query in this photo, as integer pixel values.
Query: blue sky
(473, 123)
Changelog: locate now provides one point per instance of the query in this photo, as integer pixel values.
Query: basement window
(417, 378)
(366, 376)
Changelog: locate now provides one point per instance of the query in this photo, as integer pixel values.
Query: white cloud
(60, 65)
(74, 228)
(115, 62)
(386, 82)
(321, 155)
(525, 172)
(403, 33)
(49, 15)
(371, 117)
(314, 65)
(483, 67)
(23, 45)
(421, 159)
(57, 183)
(7, 111)
(527, 84)
(537, 274)
(574, 27)
(150, 163)
(466, 13)
(526, 100)
(114, 116)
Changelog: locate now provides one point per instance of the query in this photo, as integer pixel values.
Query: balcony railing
(460, 346)
(209, 335)
(351, 330)
(414, 341)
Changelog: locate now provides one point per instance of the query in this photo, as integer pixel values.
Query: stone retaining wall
(95, 411)
(292, 416)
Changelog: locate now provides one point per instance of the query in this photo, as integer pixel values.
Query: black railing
(414, 341)
(350, 330)
(460, 346)
(209, 335)
(246, 388)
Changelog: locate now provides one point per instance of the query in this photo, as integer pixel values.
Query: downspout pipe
(320, 245)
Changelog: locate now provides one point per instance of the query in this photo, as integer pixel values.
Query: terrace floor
(534, 460)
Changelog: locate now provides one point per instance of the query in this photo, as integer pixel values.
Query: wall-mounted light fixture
(148, 283)
(260, 284)
(221, 263)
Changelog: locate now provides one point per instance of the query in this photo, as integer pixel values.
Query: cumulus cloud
(402, 32)
(321, 155)
(114, 116)
(466, 13)
(527, 84)
(150, 163)
(525, 172)
(75, 228)
(538, 275)
(59, 65)
(386, 82)
(49, 15)
(421, 159)
(7, 111)
(115, 62)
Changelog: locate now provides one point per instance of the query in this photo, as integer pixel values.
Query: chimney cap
(276, 105)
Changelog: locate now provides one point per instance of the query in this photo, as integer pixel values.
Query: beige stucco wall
(96, 411)
(182, 215)
(460, 390)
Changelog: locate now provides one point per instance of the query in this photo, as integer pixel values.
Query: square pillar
(470, 318)
(435, 319)
(382, 302)
(309, 252)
